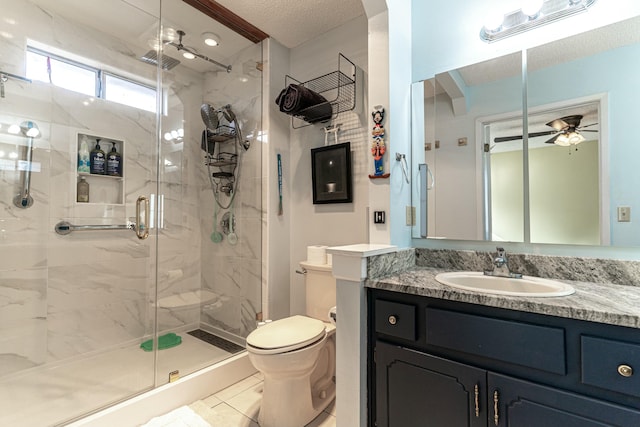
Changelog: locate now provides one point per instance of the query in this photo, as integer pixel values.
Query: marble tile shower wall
(64, 296)
(233, 273)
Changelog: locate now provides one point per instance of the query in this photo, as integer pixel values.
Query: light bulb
(188, 55)
(493, 20)
(181, 132)
(14, 129)
(531, 7)
(33, 132)
(174, 134)
(167, 136)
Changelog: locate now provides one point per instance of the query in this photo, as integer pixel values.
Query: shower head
(151, 57)
(209, 116)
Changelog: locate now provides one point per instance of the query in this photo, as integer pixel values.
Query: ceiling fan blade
(516, 137)
(552, 140)
(587, 130)
(586, 126)
(558, 124)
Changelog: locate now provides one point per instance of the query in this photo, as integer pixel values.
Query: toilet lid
(287, 334)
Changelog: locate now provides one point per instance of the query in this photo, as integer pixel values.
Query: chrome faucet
(500, 266)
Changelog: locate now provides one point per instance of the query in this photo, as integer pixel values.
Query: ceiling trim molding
(229, 19)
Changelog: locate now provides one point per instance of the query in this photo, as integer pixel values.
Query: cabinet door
(520, 403)
(414, 389)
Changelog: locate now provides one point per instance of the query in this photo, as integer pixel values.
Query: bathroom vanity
(449, 358)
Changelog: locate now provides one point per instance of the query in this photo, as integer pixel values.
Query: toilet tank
(321, 290)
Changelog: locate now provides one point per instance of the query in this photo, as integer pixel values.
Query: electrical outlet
(624, 214)
(411, 216)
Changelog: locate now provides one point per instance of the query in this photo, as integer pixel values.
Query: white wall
(276, 229)
(329, 224)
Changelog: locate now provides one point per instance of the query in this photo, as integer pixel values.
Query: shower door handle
(142, 228)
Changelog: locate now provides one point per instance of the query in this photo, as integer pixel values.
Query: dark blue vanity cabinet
(437, 363)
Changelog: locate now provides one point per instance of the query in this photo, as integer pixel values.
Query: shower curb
(140, 409)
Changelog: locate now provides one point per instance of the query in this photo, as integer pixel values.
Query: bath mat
(184, 416)
(221, 343)
(164, 341)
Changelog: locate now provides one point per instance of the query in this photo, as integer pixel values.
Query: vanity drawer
(613, 365)
(396, 319)
(533, 346)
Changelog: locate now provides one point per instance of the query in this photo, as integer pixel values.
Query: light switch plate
(624, 214)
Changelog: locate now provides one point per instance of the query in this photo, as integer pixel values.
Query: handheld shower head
(209, 116)
(228, 113)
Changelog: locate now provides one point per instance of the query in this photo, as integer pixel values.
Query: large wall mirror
(537, 146)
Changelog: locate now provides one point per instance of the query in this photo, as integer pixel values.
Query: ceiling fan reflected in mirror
(566, 132)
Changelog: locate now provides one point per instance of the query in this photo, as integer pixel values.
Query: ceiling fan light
(567, 139)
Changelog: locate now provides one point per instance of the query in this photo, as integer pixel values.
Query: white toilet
(297, 356)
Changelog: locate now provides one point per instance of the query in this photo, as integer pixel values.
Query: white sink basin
(528, 286)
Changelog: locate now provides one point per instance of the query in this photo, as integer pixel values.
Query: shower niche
(106, 183)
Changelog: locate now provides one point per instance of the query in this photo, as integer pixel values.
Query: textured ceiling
(293, 22)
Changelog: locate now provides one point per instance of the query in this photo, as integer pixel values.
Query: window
(82, 78)
(123, 91)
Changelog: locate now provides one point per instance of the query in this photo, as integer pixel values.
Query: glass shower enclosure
(107, 298)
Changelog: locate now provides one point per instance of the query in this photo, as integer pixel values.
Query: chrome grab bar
(141, 228)
(64, 227)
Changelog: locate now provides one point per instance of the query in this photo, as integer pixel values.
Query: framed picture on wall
(331, 173)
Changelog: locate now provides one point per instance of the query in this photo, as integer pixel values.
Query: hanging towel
(298, 100)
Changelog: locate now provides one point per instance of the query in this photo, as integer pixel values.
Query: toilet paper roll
(332, 315)
(317, 254)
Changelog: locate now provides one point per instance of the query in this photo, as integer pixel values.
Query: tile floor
(238, 406)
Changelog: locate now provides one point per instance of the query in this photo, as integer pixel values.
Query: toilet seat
(284, 335)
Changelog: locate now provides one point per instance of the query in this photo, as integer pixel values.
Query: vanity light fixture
(532, 14)
(210, 39)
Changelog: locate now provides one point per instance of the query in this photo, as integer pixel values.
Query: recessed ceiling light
(189, 53)
(211, 39)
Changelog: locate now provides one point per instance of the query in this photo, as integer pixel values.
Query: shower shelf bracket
(338, 87)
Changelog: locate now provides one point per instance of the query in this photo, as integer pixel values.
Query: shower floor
(46, 396)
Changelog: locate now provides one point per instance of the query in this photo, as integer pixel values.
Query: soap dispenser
(114, 162)
(83, 156)
(97, 165)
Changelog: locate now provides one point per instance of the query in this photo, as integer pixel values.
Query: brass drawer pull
(625, 370)
(393, 319)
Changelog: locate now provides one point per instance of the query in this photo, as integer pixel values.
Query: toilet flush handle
(302, 271)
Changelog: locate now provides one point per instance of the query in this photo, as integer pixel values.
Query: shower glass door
(75, 305)
(112, 290)
(209, 227)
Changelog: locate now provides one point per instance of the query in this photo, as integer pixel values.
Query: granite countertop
(611, 304)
